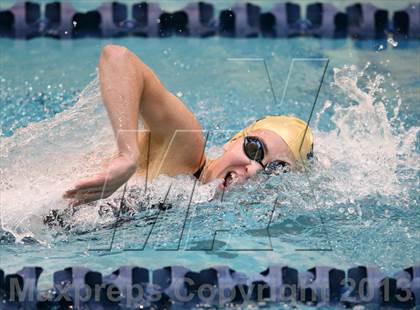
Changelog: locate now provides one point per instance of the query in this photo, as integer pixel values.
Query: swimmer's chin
(221, 185)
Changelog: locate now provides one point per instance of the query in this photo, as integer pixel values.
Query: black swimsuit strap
(197, 174)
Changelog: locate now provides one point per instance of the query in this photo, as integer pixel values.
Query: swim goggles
(254, 149)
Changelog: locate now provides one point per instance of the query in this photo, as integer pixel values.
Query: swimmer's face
(234, 166)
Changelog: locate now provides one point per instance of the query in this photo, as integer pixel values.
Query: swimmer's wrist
(133, 157)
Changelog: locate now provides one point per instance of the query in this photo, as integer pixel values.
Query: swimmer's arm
(131, 90)
(121, 89)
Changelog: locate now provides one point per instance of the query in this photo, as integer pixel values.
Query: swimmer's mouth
(230, 179)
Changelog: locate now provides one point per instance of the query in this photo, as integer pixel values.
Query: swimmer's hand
(103, 184)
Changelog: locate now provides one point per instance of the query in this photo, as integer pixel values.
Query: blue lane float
(20, 289)
(170, 283)
(195, 20)
(240, 21)
(217, 286)
(129, 285)
(78, 287)
(63, 21)
(177, 287)
(59, 20)
(279, 283)
(113, 19)
(408, 280)
(21, 21)
(407, 22)
(151, 21)
(321, 286)
(147, 20)
(367, 21)
(1, 284)
(326, 21)
(282, 21)
(26, 20)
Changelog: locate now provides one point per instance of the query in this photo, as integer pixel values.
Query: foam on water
(365, 155)
(42, 159)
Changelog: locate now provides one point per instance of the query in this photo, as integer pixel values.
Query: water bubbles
(167, 51)
(74, 23)
(391, 41)
(380, 47)
(179, 94)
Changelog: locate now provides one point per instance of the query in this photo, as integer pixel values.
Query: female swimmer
(174, 142)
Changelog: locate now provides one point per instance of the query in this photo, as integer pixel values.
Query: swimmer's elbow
(113, 51)
(118, 55)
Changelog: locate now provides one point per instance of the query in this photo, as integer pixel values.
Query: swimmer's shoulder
(179, 152)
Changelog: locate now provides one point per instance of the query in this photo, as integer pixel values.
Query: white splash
(363, 155)
(366, 154)
(41, 160)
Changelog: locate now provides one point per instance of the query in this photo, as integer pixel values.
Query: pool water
(356, 204)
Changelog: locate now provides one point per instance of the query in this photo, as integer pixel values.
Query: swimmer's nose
(252, 169)
(248, 166)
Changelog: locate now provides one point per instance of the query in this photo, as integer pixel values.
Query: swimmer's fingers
(105, 190)
(98, 180)
(70, 193)
(89, 197)
(88, 185)
(75, 192)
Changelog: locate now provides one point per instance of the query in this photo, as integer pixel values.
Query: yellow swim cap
(294, 131)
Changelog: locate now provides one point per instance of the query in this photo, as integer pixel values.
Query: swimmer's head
(292, 130)
(285, 141)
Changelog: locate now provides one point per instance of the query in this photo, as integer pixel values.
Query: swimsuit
(197, 174)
